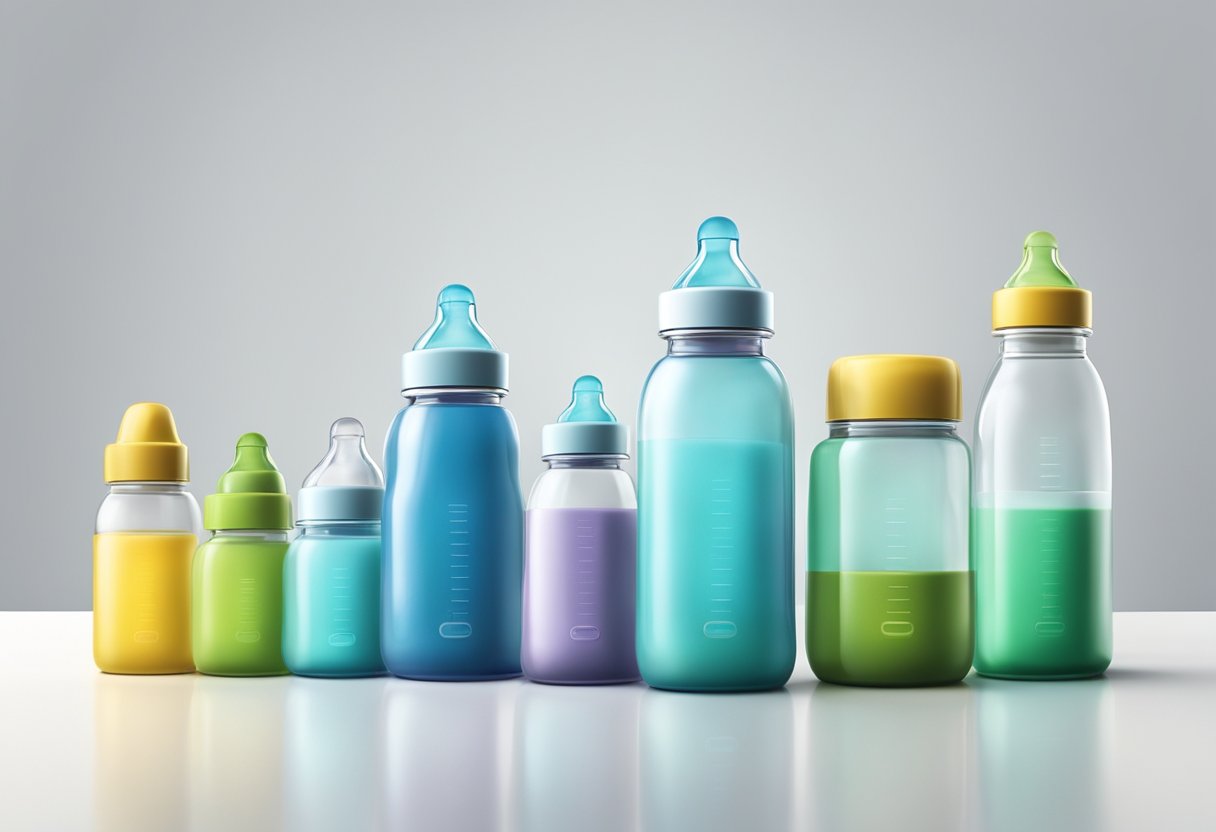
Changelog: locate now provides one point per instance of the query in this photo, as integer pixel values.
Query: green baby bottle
(889, 591)
(237, 581)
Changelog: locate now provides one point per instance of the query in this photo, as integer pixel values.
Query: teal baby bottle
(715, 607)
(331, 575)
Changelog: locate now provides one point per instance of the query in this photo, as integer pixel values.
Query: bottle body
(715, 519)
(453, 537)
(580, 578)
(1042, 513)
(331, 601)
(238, 604)
(144, 538)
(889, 586)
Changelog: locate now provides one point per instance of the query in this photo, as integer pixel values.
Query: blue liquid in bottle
(715, 486)
(453, 510)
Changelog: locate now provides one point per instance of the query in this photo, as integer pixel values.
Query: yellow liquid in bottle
(141, 602)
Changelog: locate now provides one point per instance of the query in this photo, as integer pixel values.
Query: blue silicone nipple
(587, 402)
(455, 323)
(717, 262)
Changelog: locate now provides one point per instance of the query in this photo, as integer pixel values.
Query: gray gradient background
(245, 210)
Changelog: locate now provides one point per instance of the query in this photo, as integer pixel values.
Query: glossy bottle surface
(715, 519)
(889, 588)
(452, 540)
(1042, 547)
(238, 604)
(581, 576)
(331, 602)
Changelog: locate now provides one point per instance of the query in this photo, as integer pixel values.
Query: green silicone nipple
(717, 262)
(587, 403)
(455, 323)
(1040, 263)
(253, 471)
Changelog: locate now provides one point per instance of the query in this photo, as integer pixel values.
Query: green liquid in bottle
(889, 628)
(1043, 586)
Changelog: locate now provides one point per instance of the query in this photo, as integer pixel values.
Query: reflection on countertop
(1127, 751)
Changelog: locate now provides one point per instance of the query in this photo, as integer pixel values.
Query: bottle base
(757, 688)
(343, 674)
(244, 673)
(169, 671)
(625, 680)
(1041, 677)
(492, 677)
(914, 683)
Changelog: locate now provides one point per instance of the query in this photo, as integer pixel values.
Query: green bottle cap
(251, 494)
(1040, 263)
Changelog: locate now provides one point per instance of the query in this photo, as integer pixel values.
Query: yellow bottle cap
(1041, 292)
(895, 387)
(148, 448)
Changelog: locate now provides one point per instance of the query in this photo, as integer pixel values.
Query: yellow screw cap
(148, 448)
(1041, 292)
(895, 387)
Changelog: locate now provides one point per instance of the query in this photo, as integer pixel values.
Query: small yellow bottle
(147, 530)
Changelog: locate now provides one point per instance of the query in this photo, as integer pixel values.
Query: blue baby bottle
(715, 607)
(331, 575)
(453, 548)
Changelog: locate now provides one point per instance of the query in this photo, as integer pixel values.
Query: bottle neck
(1043, 343)
(332, 529)
(148, 488)
(454, 395)
(588, 461)
(918, 428)
(716, 342)
(267, 535)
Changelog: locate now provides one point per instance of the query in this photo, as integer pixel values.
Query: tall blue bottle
(331, 574)
(715, 485)
(453, 538)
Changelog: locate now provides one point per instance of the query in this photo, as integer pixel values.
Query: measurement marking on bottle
(586, 603)
(1050, 621)
(1050, 478)
(340, 585)
(899, 596)
(722, 555)
(247, 618)
(146, 616)
(459, 568)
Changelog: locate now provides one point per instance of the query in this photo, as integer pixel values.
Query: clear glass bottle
(1042, 525)
(715, 485)
(331, 574)
(146, 532)
(453, 518)
(580, 574)
(889, 586)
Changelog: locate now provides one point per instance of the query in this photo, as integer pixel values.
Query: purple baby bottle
(580, 572)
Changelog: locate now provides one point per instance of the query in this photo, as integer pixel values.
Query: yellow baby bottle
(147, 530)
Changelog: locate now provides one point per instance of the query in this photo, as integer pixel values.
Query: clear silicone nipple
(717, 262)
(346, 463)
(455, 323)
(1040, 263)
(587, 402)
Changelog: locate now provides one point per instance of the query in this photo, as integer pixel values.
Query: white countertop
(80, 749)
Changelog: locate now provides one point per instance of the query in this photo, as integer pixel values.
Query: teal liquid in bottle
(715, 486)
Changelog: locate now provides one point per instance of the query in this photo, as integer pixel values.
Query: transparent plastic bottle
(238, 573)
(580, 576)
(146, 532)
(453, 537)
(889, 582)
(715, 485)
(1042, 525)
(331, 574)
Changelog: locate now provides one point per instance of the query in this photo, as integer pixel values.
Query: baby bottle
(238, 573)
(453, 511)
(715, 508)
(147, 528)
(1042, 526)
(580, 578)
(331, 575)
(889, 598)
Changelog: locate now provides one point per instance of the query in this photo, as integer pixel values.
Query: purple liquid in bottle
(579, 591)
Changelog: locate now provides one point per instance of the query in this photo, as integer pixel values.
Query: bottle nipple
(587, 402)
(253, 471)
(346, 463)
(717, 262)
(1040, 263)
(147, 448)
(455, 323)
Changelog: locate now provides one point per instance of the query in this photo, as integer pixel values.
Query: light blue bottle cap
(346, 486)
(717, 290)
(586, 426)
(455, 351)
